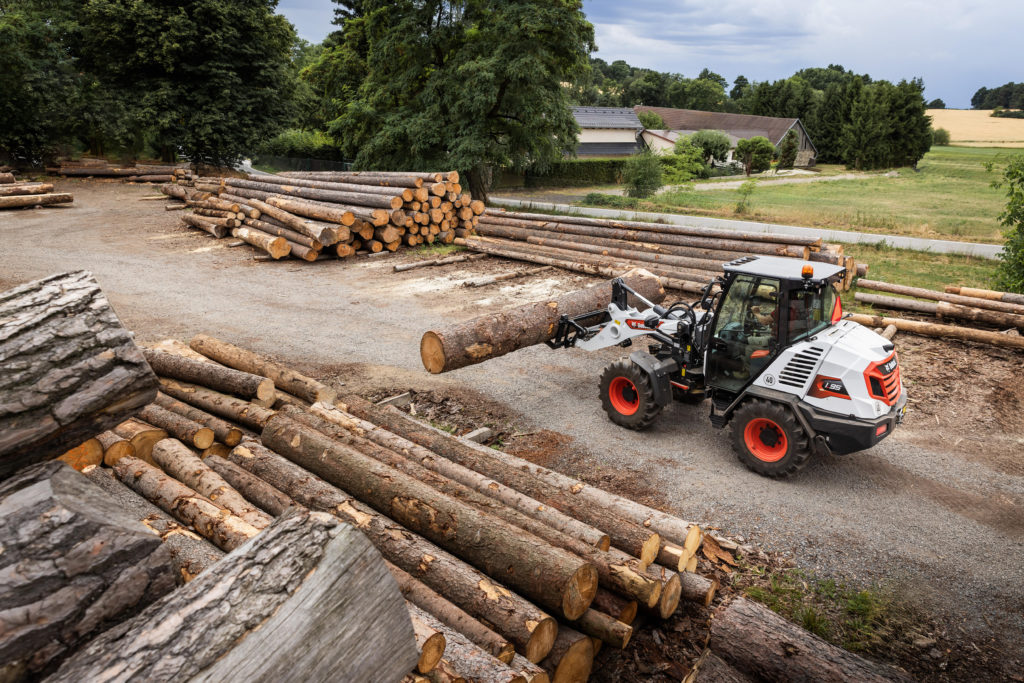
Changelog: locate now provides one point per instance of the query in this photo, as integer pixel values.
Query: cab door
(746, 333)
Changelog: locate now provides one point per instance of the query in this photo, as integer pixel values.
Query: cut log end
(432, 353)
(671, 591)
(649, 551)
(541, 639)
(580, 592)
(266, 391)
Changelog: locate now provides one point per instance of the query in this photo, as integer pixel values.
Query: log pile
(20, 195)
(685, 257)
(138, 173)
(977, 315)
(313, 216)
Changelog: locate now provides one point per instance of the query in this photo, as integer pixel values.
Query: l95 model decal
(824, 387)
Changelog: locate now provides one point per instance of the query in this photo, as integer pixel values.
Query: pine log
(217, 213)
(177, 460)
(141, 436)
(527, 627)
(323, 212)
(225, 530)
(494, 335)
(614, 605)
(261, 614)
(301, 251)
(989, 294)
(605, 628)
(763, 645)
(438, 262)
(85, 454)
(944, 331)
(179, 426)
(24, 200)
(922, 293)
(943, 309)
(358, 178)
(73, 564)
(710, 668)
(190, 553)
(624, 535)
(218, 231)
(494, 279)
(551, 576)
(289, 185)
(286, 399)
(255, 490)
(212, 375)
(284, 378)
(685, 263)
(287, 233)
(216, 203)
(114, 447)
(430, 642)
(223, 431)
(445, 672)
(615, 571)
(176, 191)
(276, 247)
(217, 449)
(423, 597)
(26, 188)
(360, 198)
(228, 407)
(324, 233)
(696, 588)
(889, 332)
(571, 657)
(468, 658)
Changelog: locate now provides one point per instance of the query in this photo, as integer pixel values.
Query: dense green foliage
(788, 148)
(755, 154)
(1009, 96)
(651, 121)
(578, 172)
(940, 137)
(999, 112)
(713, 144)
(937, 103)
(302, 144)
(1010, 276)
(686, 164)
(210, 79)
(642, 175)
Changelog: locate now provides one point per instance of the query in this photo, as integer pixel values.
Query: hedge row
(301, 144)
(575, 172)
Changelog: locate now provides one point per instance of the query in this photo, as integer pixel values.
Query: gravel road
(916, 512)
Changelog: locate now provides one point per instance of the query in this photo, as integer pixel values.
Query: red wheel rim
(624, 396)
(765, 440)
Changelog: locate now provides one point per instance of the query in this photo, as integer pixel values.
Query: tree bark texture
(215, 229)
(711, 668)
(190, 552)
(24, 200)
(289, 185)
(922, 293)
(287, 233)
(430, 642)
(324, 233)
(763, 645)
(991, 295)
(358, 198)
(228, 407)
(494, 335)
(284, 378)
(276, 247)
(625, 535)
(211, 375)
(178, 426)
(73, 563)
(523, 623)
(944, 331)
(27, 188)
(225, 530)
(466, 657)
(253, 489)
(554, 578)
(223, 431)
(308, 595)
(68, 369)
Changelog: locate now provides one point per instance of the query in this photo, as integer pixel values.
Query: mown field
(948, 196)
(977, 128)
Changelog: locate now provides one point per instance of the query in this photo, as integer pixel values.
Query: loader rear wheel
(769, 440)
(627, 396)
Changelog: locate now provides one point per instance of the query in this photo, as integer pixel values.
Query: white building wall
(607, 135)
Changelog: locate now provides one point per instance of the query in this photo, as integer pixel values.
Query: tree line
(1007, 96)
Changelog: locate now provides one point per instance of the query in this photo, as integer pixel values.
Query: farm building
(607, 131)
(736, 126)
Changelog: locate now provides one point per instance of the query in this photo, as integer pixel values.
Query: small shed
(607, 131)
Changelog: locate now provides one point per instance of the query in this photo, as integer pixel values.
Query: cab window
(810, 311)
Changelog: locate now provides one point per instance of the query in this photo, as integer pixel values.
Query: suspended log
(190, 553)
(26, 188)
(255, 490)
(989, 294)
(223, 431)
(114, 447)
(215, 229)
(225, 530)
(228, 407)
(521, 622)
(86, 454)
(468, 658)
(142, 438)
(943, 309)
(438, 262)
(178, 426)
(284, 378)
(922, 293)
(550, 576)
(212, 375)
(423, 597)
(74, 564)
(571, 657)
(20, 201)
(944, 331)
(763, 645)
(178, 461)
(494, 335)
(262, 615)
(68, 369)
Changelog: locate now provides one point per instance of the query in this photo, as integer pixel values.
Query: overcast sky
(956, 46)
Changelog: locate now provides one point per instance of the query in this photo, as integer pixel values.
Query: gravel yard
(936, 512)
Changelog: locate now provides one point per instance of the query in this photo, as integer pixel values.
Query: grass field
(949, 196)
(976, 128)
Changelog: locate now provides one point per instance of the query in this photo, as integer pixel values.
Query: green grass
(949, 196)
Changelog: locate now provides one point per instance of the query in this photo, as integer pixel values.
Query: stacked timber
(685, 257)
(330, 215)
(977, 315)
(20, 195)
(138, 173)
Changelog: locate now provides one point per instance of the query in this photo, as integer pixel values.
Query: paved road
(901, 513)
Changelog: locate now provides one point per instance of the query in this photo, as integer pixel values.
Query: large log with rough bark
(23, 200)
(223, 431)
(357, 198)
(264, 613)
(190, 552)
(625, 535)
(468, 658)
(228, 407)
(521, 622)
(25, 188)
(490, 336)
(68, 369)
(551, 576)
(945, 331)
(291, 186)
(763, 645)
(73, 563)
(212, 375)
(710, 668)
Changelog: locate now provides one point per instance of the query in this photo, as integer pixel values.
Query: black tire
(769, 440)
(627, 396)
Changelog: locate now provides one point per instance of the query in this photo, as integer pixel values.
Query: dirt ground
(933, 515)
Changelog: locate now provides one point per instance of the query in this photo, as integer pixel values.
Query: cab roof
(783, 268)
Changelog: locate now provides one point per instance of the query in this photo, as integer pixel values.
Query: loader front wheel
(769, 440)
(627, 396)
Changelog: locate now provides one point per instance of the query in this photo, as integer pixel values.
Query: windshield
(810, 310)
